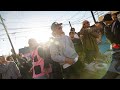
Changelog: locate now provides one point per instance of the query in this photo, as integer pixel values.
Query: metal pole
(7, 34)
(93, 16)
(70, 24)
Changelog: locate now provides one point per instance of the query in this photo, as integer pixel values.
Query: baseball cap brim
(55, 24)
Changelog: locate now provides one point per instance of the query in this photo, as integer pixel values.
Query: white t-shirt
(76, 36)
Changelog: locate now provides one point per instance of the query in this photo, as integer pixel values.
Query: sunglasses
(86, 23)
(59, 28)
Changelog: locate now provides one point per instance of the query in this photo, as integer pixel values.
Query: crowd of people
(65, 57)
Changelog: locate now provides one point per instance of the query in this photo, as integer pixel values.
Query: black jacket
(45, 55)
(113, 34)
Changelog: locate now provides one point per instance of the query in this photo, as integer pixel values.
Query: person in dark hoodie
(112, 32)
(24, 67)
(2, 67)
(9, 69)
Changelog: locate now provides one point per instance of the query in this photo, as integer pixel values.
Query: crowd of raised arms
(66, 57)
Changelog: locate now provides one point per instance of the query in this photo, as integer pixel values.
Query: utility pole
(93, 16)
(7, 34)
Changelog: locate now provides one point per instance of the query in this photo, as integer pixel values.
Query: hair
(72, 29)
(103, 25)
(114, 14)
(8, 58)
(71, 32)
(83, 23)
(3, 58)
(32, 40)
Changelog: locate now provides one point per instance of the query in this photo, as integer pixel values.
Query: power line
(62, 16)
(72, 17)
(24, 32)
(75, 22)
(80, 21)
(80, 18)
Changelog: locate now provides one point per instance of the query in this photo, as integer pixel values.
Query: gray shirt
(62, 47)
(9, 71)
(3, 68)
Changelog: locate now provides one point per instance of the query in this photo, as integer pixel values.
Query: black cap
(107, 17)
(55, 24)
(72, 29)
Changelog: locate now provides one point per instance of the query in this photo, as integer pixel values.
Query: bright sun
(40, 36)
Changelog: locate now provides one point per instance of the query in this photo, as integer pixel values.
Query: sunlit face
(114, 17)
(98, 25)
(9, 58)
(58, 30)
(2, 59)
(86, 24)
(108, 23)
(32, 43)
(71, 34)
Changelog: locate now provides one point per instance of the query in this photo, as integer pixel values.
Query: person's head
(86, 24)
(32, 43)
(2, 59)
(57, 28)
(72, 29)
(20, 55)
(9, 58)
(114, 16)
(99, 25)
(107, 19)
(71, 34)
(14, 56)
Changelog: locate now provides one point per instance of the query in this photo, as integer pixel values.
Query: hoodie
(9, 71)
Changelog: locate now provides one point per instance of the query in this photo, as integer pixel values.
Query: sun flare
(41, 36)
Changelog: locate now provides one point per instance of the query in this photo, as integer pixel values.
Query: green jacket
(89, 39)
(78, 45)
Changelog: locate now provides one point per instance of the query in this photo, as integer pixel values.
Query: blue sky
(22, 25)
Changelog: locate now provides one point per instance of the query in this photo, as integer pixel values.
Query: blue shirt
(104, 45)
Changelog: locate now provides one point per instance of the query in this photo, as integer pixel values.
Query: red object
(116, 46)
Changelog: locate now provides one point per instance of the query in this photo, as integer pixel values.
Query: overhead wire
(75, 22)
(72, 16)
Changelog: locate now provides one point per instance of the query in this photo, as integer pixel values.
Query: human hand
(69, 61)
